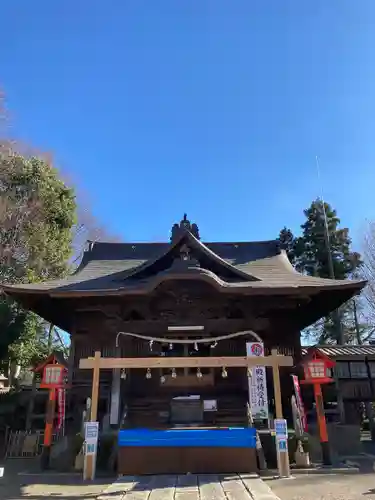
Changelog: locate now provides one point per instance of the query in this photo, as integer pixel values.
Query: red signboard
(301, 408)
(60, 407)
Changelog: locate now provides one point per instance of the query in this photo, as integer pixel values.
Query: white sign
(258, 396)
(281, 430)
(91, 437)
(209, 405)
(91, 431)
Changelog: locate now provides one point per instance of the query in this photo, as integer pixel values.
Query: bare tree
(88, 227)
(12, 219)
(368, 270)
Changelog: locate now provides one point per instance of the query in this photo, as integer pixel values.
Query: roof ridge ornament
(184, 225)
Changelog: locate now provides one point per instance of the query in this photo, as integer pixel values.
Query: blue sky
(213, 107)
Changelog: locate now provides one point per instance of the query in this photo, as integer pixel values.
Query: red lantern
(317, 368)
(53, 376)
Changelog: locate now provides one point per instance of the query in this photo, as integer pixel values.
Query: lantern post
(54, 377)
(317, 372)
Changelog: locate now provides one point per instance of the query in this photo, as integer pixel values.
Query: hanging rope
(167, 340)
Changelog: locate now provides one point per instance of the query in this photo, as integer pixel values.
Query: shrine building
(182, 298)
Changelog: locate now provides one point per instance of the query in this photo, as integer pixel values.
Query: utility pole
(335, 314)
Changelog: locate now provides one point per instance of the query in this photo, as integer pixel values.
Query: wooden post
(340, 400)
(322, 425)
(31, 404)
(282, 456)
(114, 411)
(48, 431)
(277, 388)
(90, 460)
(95, 387)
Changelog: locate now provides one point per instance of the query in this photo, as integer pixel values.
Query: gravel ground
(326, 487)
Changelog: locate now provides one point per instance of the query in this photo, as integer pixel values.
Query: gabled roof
(248, 267)
(238, 268)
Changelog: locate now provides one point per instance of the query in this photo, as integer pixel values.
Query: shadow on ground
(23, 479)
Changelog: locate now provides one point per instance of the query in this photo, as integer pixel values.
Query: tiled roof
(334, 351)
(110, 267)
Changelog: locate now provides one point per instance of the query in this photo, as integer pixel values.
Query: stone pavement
(326, 487)
(189, 487)
(329, 486)
(23, 481)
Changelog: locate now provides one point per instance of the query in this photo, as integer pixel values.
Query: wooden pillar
(277, 388)
(89, 469)
(31, 405)
(282, 456)
(48, 431)
(322, 425)
(340, 400)
(115, 393)
(95, 387)
(69, 401)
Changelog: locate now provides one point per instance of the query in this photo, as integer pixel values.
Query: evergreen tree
(288, 243)
(323, 250)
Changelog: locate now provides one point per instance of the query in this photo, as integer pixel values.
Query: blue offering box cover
(236, 437)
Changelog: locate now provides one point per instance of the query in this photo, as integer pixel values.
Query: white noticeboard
(258, 397)
(281, 431)
(91, 437)
(209, 405)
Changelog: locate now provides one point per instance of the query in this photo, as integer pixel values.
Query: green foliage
(37, 217)
(311, 248)
(37, 214)
(288, 243)
(323, 250)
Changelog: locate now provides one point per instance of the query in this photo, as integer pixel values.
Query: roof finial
(184, 225)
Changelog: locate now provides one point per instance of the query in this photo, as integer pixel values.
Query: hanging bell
(123, 374)
(174, 374)
(148, 373)
(224, 373)
(162, 379)
(199, 373)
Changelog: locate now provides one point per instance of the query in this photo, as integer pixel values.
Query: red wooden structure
(317, 368)
(54, 376)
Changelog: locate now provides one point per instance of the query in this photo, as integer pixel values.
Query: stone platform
(189, 487)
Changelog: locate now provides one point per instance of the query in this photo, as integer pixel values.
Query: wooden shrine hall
(186, 299)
